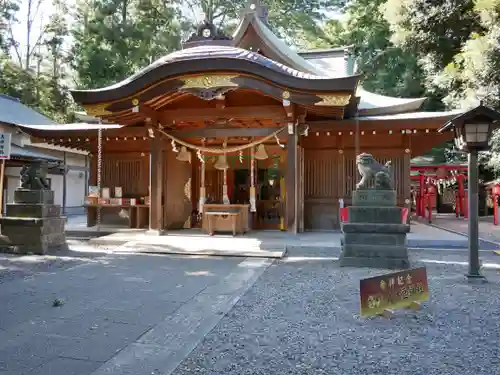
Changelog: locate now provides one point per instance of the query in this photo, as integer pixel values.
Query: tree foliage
(457, 45)
(387, 69)
(114, 39)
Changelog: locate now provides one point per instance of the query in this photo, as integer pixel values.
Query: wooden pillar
(156, 160)
(93, 171)
(86, 175)
(291, 179)
(406, 175)
(65, 183)
(300, 189)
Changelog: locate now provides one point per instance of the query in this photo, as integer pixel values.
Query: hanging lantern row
(88, 139)
(403, 131)
(306, 133)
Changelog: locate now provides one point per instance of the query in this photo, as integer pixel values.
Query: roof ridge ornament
(256, 6)
(207, 34)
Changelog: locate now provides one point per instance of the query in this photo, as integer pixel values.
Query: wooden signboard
(382, 294)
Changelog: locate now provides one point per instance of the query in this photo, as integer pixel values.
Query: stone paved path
(156, 307)
(487, 231)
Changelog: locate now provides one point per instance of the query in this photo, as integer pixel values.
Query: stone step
(375, 251)
(378, 239)
(382, 263)
(374, 228)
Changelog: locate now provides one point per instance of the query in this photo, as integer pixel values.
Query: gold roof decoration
(209, 82)
(335, 100)
(97, 109)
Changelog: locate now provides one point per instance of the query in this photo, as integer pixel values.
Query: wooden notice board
(393, 291)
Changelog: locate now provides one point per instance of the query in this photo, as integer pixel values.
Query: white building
(71, 187)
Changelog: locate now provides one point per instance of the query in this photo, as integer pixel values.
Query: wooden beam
(399, 124)
(273, 112)
(220, 102)
(223, 132)
(148, 112)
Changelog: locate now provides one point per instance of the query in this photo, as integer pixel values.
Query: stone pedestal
(33, 223)
(374, 235)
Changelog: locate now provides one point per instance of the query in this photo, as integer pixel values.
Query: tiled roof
(21, 152)
(13, 112)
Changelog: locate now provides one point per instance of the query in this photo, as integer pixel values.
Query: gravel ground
(301, 317)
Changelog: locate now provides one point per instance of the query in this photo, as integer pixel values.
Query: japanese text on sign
(5, 139)
(393, 291)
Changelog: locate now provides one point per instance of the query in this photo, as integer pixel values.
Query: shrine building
(240, 126)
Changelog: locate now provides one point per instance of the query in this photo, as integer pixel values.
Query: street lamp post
(472, 134)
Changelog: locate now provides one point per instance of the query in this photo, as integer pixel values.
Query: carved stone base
(34, 210)
(33, 196)
(375, 235)
(34, 235)
(373, 197)
(33, 224)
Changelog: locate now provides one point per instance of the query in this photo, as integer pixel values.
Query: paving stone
(30, 352)
(103, 346)
(65, 366)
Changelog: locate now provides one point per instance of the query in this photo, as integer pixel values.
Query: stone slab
(32, 210)
(163, 348)
(380, 239)
(370, 214)
(375, 251)
(186, 245)
(382, 263)
(374, 228)
(33, 196)
(373, 197)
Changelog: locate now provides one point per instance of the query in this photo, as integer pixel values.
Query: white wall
(75, 179)
(75, 186)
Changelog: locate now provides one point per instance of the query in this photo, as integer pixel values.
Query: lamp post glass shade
(477, 133)
(472, 136)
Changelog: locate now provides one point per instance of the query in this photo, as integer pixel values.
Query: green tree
(387, 69)
(114, 39)
(8, 10)
(434, 32)
(58, 103)
(297, 21)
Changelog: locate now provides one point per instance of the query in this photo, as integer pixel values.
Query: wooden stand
(225, 218)
(138, 215)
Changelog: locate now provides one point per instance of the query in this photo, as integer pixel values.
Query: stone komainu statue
(368, 167)
(34, 176)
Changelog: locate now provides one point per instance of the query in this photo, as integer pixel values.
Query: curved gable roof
(279, 48)
(331, 63)
(215, 58)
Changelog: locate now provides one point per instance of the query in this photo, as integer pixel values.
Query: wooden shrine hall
(239, 133)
